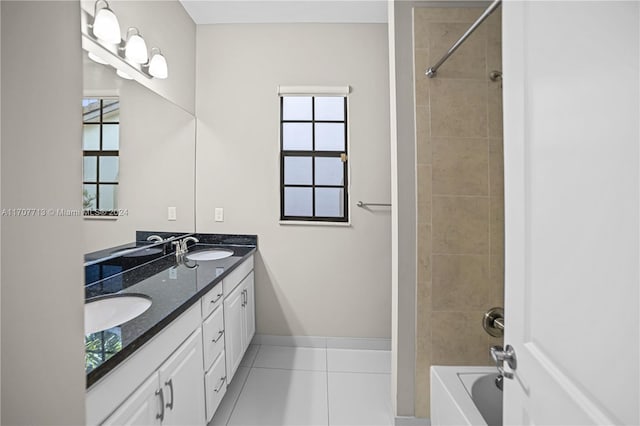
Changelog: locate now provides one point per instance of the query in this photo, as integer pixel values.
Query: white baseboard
(324, 342)
(412, 421)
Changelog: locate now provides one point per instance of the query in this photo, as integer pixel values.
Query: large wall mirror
(139, 160)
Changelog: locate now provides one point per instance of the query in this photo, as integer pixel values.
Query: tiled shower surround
(460, 191)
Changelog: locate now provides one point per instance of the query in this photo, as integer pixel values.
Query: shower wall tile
(493, 24)
(460, 225)
(457, 338)
(497, 280)
(460, 191)
(466, 15)
(420, 31)
(494, 108)
(458, 108)
(496, 225)
(496, 168)
(461, 283)
(424, 257)
(423, 134)
(424, 193)
(421, 61)
(470, 60)
(423, 363)
(460, 166)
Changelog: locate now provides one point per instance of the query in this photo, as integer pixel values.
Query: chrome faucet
(155, 238)
(181, 245)
(184, 247)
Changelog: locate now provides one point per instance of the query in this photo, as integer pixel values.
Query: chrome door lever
(500, 356)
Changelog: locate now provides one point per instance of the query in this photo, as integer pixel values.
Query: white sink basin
(104, 312)
(214, 254)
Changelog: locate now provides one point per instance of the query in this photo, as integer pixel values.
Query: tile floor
(296, 386)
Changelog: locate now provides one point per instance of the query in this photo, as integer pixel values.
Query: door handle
(170, 384)
(222, 380)
(161, 414)
(500, 356)
(220, 334)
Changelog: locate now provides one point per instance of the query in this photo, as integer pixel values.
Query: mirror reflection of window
(101, 161)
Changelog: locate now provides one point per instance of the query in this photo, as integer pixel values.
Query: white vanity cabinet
(180, 376)
(240, 323)
(171, 396)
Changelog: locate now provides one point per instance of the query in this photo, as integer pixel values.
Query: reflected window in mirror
(101, 155)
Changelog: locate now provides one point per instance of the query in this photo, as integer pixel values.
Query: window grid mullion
(98, 158)
(313, 158)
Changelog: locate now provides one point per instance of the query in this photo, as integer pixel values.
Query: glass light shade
(124, 75)
(136, 48)
(105, 24)
(158, 64)
(98, 59)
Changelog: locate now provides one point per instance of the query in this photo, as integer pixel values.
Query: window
(313, 160)
(100, 145)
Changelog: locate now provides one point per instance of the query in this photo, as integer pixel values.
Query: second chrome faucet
(181, 245)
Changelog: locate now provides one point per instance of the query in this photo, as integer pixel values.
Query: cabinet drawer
(211, 300)
(215, 383)
(237, 275)
(213, 336)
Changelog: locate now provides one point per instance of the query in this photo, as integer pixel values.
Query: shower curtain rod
(431, 72)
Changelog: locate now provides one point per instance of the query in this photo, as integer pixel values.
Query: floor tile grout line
(235, 403)
(288, 369)
(360, 372)
(326, 364)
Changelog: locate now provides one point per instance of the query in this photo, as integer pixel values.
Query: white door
(571, 130)
(234, 330)
(181, 380)
(143, 407)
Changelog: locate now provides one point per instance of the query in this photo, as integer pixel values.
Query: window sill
(100, 217)
(312, 223)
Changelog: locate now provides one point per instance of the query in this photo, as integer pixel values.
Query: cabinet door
(143, 407)
(234, 330)
(181, 380)
(249, 310)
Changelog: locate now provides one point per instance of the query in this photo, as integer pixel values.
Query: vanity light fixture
(96, 58)
(105, 24)
(135, 49)
(124, 75)
(158, 64)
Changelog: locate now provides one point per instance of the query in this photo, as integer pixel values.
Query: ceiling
(286, 11)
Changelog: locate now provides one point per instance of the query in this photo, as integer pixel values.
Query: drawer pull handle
(161, 415)
(217, 298)
(170, 384)
(222, 380)
(220, 334)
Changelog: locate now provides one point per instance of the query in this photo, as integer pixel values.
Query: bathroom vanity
(172, 363)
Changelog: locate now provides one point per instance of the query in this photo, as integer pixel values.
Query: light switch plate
(171, 213)
(219, 214)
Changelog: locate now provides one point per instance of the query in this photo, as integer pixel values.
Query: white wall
(157, 162)
(43, 378)
(164, 24)
(311, 280)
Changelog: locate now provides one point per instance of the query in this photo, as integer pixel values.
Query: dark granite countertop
(173, 288)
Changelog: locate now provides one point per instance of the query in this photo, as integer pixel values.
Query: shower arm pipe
(431, 72)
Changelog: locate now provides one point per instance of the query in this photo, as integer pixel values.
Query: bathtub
(465, 396)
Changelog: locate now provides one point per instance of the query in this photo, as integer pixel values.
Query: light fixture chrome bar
(431, 72)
